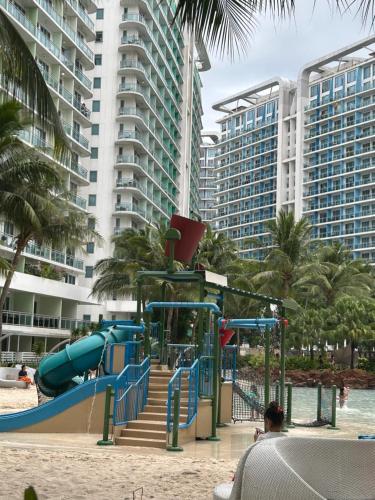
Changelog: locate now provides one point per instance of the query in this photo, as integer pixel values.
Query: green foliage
(30, 494)
(366, 364)
(44, 271)
(304, 363)
(38, 348)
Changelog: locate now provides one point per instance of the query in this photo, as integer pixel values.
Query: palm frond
(23, 79)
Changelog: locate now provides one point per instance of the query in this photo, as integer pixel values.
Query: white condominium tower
(38, 308)
(207, 175)
(306, 146)
(146, 114)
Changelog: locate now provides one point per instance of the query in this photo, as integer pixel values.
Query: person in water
(273, 420)
(343, 394)
(22, 375)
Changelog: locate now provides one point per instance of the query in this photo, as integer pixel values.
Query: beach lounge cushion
(304, 468)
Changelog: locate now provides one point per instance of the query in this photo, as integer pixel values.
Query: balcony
(8, 240)
(68, 30)
(82, 14)
(18, 318)
(77, 200)
(128, 207)
(74, 134)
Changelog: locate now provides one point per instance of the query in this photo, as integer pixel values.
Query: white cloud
(280, 48)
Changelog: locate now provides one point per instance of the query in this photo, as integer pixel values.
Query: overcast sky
(280, 49)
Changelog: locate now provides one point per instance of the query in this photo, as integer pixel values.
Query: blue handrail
(183, 305)
(193, 383)
(129, 402)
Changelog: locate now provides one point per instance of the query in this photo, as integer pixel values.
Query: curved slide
(57, 372)
(67, 413)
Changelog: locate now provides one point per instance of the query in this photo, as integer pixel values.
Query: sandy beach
(68, 466)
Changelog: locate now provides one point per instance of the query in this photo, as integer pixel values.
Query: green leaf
(30, 494)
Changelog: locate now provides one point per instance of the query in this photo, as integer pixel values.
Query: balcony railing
(8, 240)
(82, 14)
(18, 318)
(128, 207)
(74, 134)
(77, 200)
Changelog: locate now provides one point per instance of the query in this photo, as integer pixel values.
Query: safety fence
(206, 367)
(249, 400)
(184, 385)
(20, 357)
(131, 390)
(229, 362)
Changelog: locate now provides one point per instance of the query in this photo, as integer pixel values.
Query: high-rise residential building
(146, 121)
(39, 309)
(207, 175)
(252, 162)
(306, 146)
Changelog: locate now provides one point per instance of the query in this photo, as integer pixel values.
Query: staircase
(150, 429)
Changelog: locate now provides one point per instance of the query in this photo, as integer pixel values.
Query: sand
(14, 399)
(69, 466)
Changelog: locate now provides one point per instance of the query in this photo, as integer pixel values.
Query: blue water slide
(57, 372)
(23, 419)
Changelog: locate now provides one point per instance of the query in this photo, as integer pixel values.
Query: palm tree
(282, 267)
(216, 251)
(40, 215)
(228, 26)
(23, 80)
(338, 276)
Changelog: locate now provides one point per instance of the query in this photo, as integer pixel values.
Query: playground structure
(144, 400)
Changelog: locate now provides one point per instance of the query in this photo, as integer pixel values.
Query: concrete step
(161, 400)
(143, 434)
(161, 409)
(142, 442)
(160, 394)
(164, 387)
(161, 373)
(147, 424)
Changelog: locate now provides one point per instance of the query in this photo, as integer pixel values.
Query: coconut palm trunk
(8, 280)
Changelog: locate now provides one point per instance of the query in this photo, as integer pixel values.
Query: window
(314, 90)
(91, 223)
(90, 247)
(339, 81)
(98, 59)
(94, 153)
(97, 84)
(96, 106)
(326, 85)
(99, 13)
(92, 200)
(89, 271)
(70, 279)
(95, 129)
(98, 36)
(86, 317)
(93, 176)
(350, 77)
(367, 71)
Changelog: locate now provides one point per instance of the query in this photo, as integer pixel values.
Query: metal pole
(200, 320)
(289, 405)
(176, 422)
(277, 392)
(162, 323)
(319, 407)
(333, 419)
(267, 368)
(107, 415)
(282, 359)
(139, 304)
(147, 346)
(215, 381)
